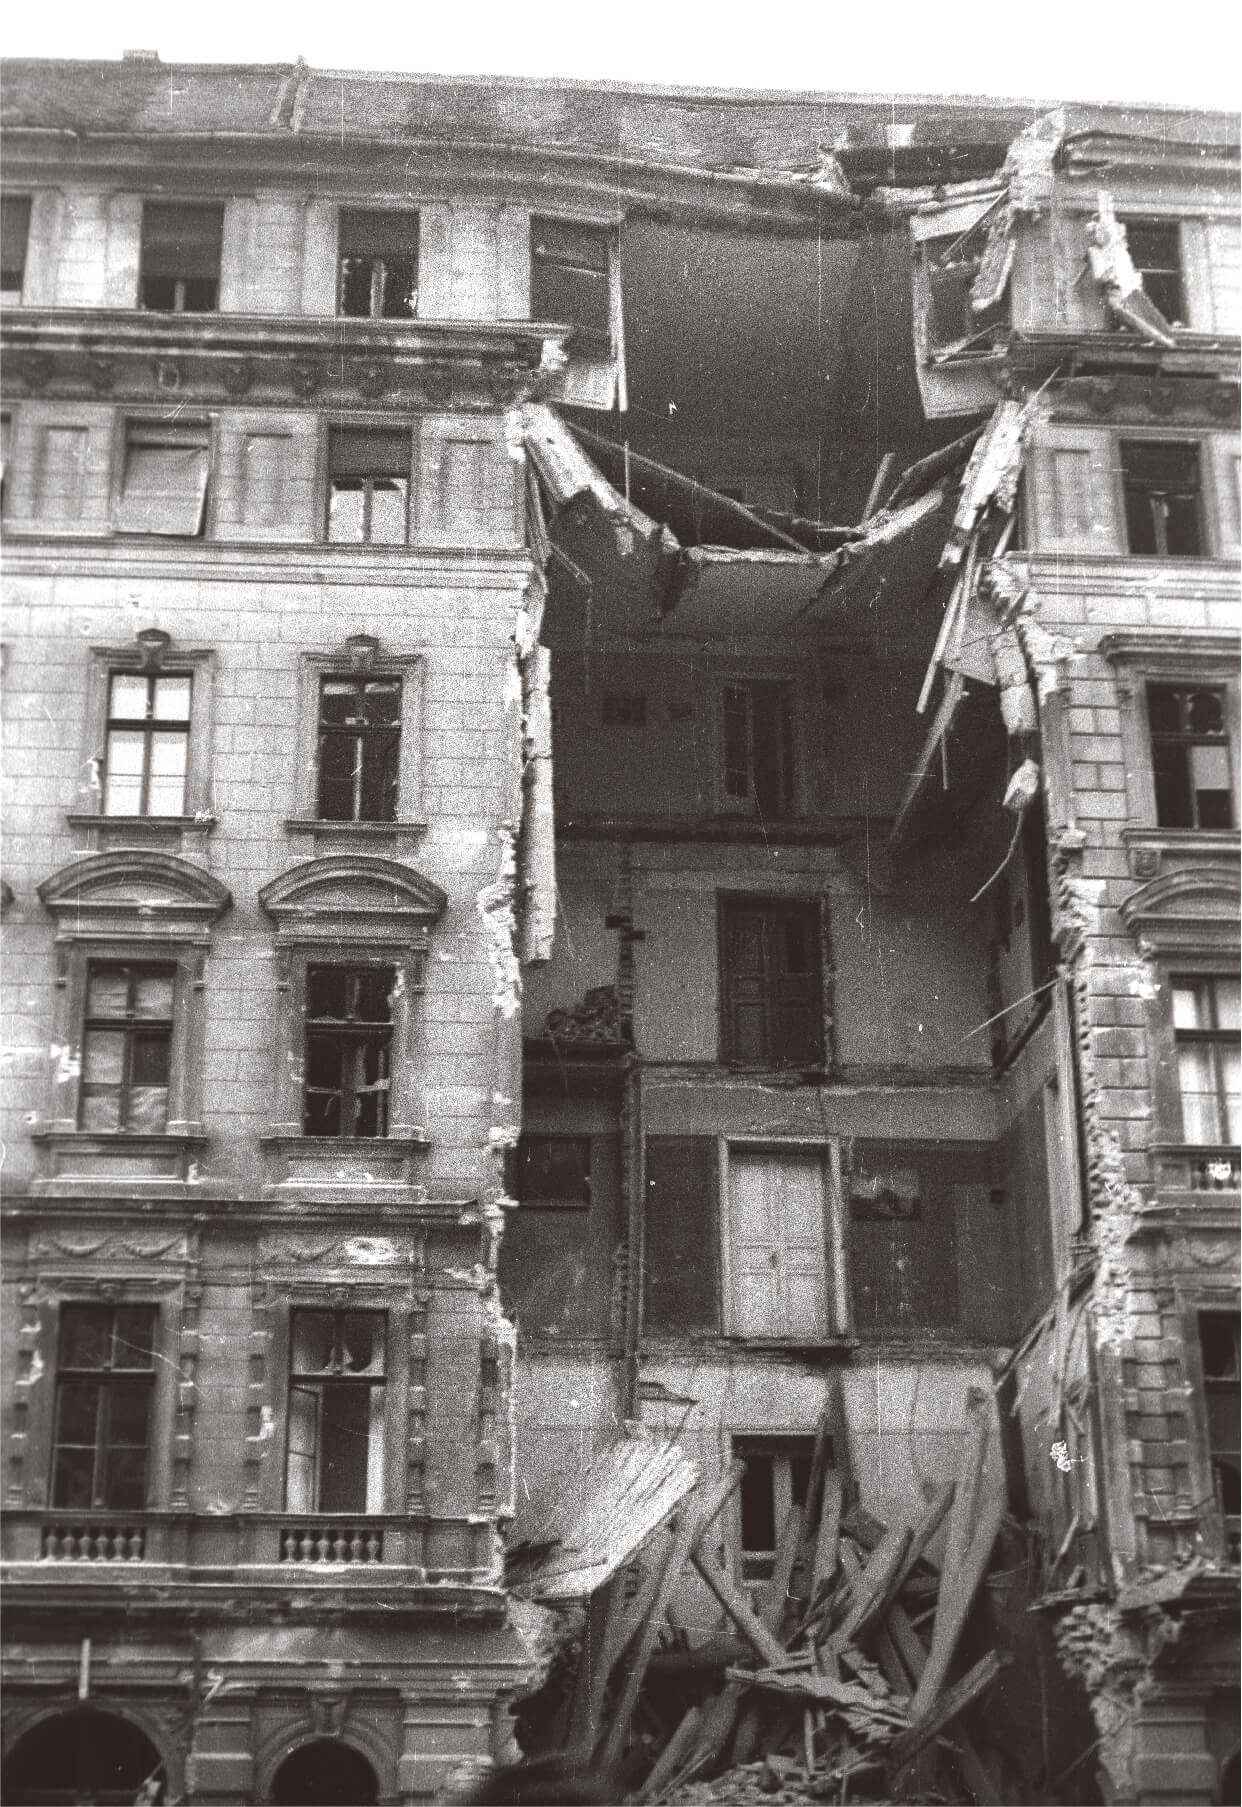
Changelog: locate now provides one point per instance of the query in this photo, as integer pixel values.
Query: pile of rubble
(833, 1684)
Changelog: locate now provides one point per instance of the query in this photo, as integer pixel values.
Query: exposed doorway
(84, 1759)
(325, 1773)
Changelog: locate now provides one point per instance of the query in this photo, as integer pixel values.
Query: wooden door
(776, 1246)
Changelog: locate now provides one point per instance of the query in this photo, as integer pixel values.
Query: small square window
(1191, 755)
(127, 1048)
(164, 486)
(570, 276)
(104, 1388)
(1156, 253)
(554, 1170)
(1161, 482)
(1206, 1024)
(335, 1452)
(14, 237)
(368, 486)
(377, 264)
(180, 257)
(348, 1050)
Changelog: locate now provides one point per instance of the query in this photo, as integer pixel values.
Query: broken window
(1190, 755)
(180, 257)
(148, 738)
(570, 277)
(377, 253)
(554, 1170)
(771, 997)
(359, 748)
(1160, 479)
(348, 1050)
(335, 1450)
(105, 1376)
(776, 1473)
(1206, 1032)
(368, 486)
(1218, 1346)
(14, 236)
(1156, 253)
(127, 1048)
(164, 486)
(953, 264)
(758, 749)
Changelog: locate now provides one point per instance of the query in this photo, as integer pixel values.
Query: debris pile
(833, 1683)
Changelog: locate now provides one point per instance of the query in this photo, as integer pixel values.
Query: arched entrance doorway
(325, 1773)
(83, 1759)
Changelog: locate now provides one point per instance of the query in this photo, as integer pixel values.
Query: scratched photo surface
(621, 1054)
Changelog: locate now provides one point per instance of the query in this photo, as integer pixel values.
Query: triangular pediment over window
(133, 893)
(352, 897)
(1194, 907)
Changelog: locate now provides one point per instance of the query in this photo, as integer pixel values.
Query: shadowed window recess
(14, 237)
(1205, 1028)
(164, 486)
(335, 1454)
(377, 251)
(359, 749)
(1222, 1382)
(553, 1170)
(127, 1048)
(1191, 755)
(775, 1476)
(570, 277)
(770, 991)
(180, 258)
(148, 737)
(348, 1050)
(758, 750)
(105, 1374)
(1161, 483)
(1155, 248)
(368, 486)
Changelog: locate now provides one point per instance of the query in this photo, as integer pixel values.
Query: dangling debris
(1113, 269)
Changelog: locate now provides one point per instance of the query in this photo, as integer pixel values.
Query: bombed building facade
(622, 822)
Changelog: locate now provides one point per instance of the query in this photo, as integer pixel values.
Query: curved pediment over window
(1196, 907)
(134, 893)
(353, 898)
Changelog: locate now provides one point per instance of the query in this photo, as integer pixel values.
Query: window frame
(587, 341)
(399, 213)
(169, 205)
(361, 656)
(349, 1033)
(789, 745)
(116, 1378)
(837, 1313)
(783, 1449)
(132, 1029)
(135, 422)
(1220, 1531)
(543, 1201)
(154, 654)
(318, 1383)
(811, 909)
(335, 425)
(369, 739)
(15, 296)
(1214, 1039)
(1162, 223)
(1157, 657)
(1202, 492)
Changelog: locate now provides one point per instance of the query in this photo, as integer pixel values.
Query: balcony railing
(331, 1543)
(100, 1542)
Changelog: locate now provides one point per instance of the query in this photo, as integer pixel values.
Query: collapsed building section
(624, 858)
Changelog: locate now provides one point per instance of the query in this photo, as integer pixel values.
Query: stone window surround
(1170, 657)
(151, 651)
(138, 906)
(359, 655)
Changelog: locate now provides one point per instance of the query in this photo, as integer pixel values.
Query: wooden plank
(739, 1609)
(638, 1611)
(670, 1758)
(776, 1598)
(969, 1472)
(583, 1728)
(824, 1563)
(949, 1705)
(910, 1646)
(719, 1718)
(957, 1593)
(871, 1590)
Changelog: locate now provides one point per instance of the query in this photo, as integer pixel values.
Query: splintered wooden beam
(949, 1705)
(872, 1587)
(671, 1757)
(739, 1609)
(824, 1564)
(777, 1597)
(957, 1594)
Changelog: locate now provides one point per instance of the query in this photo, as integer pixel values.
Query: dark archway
(325, 1773)
(83, 1759)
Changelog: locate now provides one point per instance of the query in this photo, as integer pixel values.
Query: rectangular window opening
(377, 252)
(180, 257)
(348, 1050)
(335, 1444)
(570, 277)
(776, 1475)
(127, 1048)
(1206, 1035)
(359, 748)
(368, 486)
(1222, 1374)
(14, 238)
(147, 743)
(771, 993)
(105, 1374)
(758, 750)
(952, 264)
(164, 486)
(1156, 253)
(1191, 755)
(1161, 484)
(554, 1170)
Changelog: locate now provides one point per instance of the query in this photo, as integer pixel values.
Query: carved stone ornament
(35, 369)
(238, 375)
(1161, 397)
(101, 372)
(1145, 862)
(51, 1244)
(1223, 401)
(1209, 1254)
(438, 384)
(371, 378)
(304, 376)
(167, 373)
(1102, 395)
